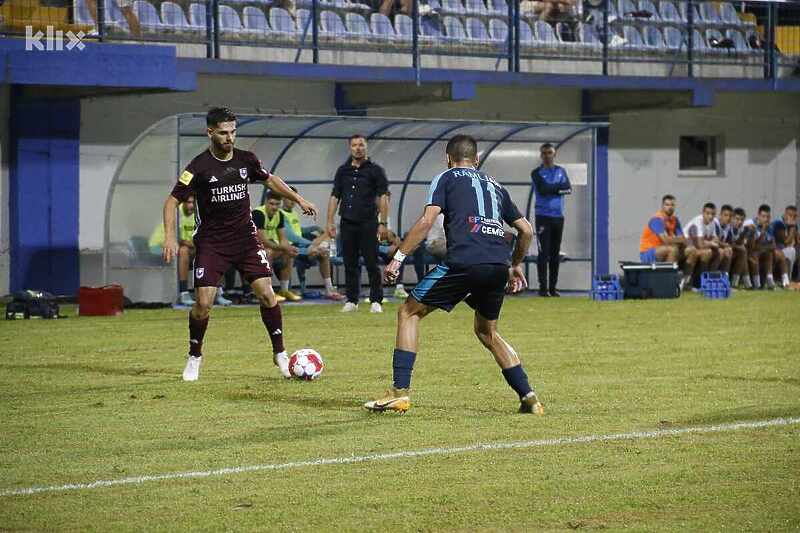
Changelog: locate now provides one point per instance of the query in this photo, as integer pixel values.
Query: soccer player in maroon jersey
(225, 235)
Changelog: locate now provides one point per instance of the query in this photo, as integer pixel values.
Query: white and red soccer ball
(306, 364)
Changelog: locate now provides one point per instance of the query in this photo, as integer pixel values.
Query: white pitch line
(491, 446)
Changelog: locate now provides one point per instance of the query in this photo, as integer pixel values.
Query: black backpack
(27, 304)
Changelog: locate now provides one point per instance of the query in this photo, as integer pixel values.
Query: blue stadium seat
(331, 24)
(147, 15)
(739, 40)
(498, 30)
(197, 14)
(476, 30)
(357, 25)
(589, 35)
(476, 7)
(674, 38)
(709, 13)
(82, 14)
(404, 27)
(544, 33)
(728, 15)
(281, 21)
(652, 37)
(430, 30)
(498, 7)
(526, 37)
(453, 29)
(453, 7)
(381, 26)
(255, 20)
(669, 13)
(633, 39)
(173, 16)
(626, 7)
(698, 17)
(229, 21)
(699, 42)
(650, 7)
(303, 22)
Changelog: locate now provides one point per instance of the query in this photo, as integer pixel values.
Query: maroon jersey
(222, 200)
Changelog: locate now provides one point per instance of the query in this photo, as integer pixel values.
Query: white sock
(735, 280)
(757, 281)
(284, 284)
(399, 285)
(746, 281)
(328, 284)
(785, 279)
(770, 279)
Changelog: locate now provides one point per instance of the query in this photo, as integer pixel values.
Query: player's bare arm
(277, 184)
(333, 204)
(285, 245)
(517, 281)
(170, 249)
(383, 216)
(413, 239)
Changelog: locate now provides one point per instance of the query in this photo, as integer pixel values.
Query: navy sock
(518, 380)
(402, 364)
(183, 286)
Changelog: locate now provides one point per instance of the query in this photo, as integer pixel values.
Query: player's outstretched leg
(198, 322)
(405, 353)
(273, 322)
(509, 362)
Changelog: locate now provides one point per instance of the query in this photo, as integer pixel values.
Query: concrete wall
(760, 135)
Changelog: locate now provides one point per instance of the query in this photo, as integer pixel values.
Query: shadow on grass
(776, 379)
(306, 400)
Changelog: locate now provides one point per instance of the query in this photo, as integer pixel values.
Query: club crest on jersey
(199, 272)
(243, 173)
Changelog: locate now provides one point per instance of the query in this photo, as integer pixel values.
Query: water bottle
(333, 248)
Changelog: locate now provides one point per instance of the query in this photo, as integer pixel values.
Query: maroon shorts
(212, 261)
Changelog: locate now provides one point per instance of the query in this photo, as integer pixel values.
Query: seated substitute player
(663, 240)
(734, 236)
(310, 250)
(185, 247)
(475, 207)
(703, 236)
(785, 231)
(761, 249)
(225, 236)
(271, 226)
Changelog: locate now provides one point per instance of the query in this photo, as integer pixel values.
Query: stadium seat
(453, 7)
(197, 15)
(173, 16)
(633, 39)
(404, 27)
(498, 30)
(709, 13)
(281, 21)
(526, 34)
(669, 13)
(674, 38)
(699, 42)
(729, 15)
(476, 31)
(652, 37)
(357, 25)
(229, 20)
(649, 6)
(331, 24)
(147, 15)
(589, 35)
(254, 20)
(453, 29)
(544, 33)
(303, 22)
(114, 18)
(82, 14)
(739, 40)
(498, 7)
(698, 18)
(429, 30)
(626, 8)
(381, 26)
(476, 7)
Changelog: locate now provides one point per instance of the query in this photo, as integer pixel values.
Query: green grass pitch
(86, 399)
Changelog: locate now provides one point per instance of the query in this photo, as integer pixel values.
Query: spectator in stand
(552, 11)
(785, 231)
(126, 7)
(761, 249)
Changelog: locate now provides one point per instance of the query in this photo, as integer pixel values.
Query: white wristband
(399, 256)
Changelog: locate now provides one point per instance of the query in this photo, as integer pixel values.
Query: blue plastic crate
(606, 288)
(715, 285)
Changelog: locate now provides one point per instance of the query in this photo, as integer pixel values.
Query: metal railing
(643, 37)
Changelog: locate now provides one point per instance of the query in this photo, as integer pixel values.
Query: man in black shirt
(360, 191)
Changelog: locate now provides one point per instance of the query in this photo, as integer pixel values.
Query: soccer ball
(306, 364)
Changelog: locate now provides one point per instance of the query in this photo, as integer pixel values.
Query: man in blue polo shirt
(550, 183)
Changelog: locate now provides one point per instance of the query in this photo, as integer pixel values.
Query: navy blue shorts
(482, 286)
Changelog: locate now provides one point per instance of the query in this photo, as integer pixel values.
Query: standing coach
(361, 192)
(550, 183)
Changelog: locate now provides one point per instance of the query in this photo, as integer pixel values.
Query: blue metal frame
(414, 167)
